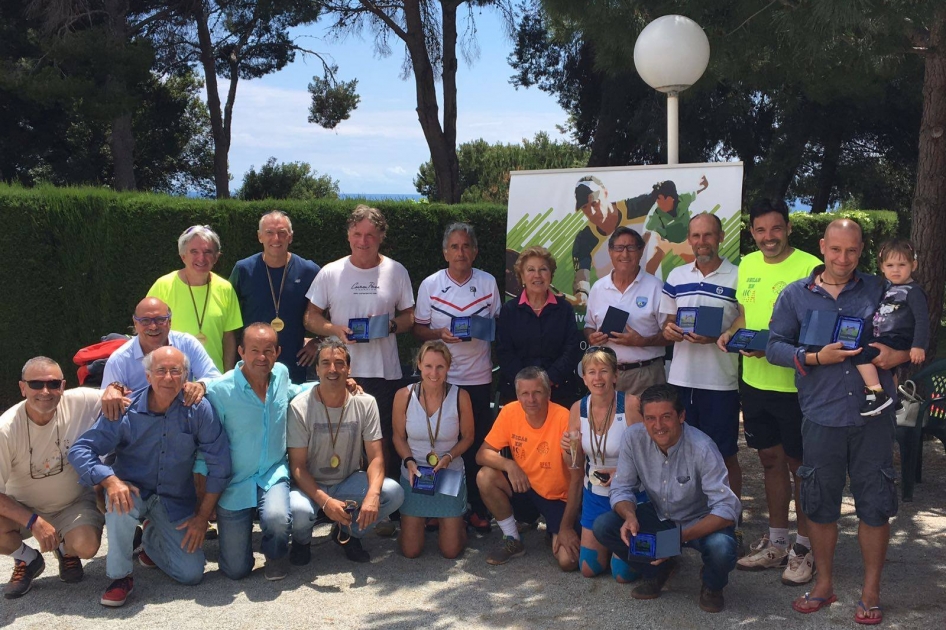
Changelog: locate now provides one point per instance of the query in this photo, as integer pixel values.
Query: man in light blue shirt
(124, 372)
(686, 482)
(252, 400)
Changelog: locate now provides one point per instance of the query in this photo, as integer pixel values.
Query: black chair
(931, 382)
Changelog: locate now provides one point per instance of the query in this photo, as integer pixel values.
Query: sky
(379, 148)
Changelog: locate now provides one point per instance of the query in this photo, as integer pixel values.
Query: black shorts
(771, 418)
(528, 505)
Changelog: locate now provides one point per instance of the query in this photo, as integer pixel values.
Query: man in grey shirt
(686, 482)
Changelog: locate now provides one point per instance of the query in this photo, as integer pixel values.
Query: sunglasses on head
(604, 349)
(50, 385)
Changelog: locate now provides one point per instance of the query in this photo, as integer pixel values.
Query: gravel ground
(529, 592)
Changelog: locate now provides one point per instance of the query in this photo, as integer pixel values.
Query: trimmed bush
(78, 260)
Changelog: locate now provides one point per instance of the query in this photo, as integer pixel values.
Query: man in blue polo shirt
(271, 287)
(252, 401)
(837, 441)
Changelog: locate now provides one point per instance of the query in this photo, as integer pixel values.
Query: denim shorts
(865, 453)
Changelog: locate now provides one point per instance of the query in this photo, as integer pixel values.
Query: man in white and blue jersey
(705, 377)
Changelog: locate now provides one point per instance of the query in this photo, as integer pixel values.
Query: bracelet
(407, 460)
(119, 385)
(818, 357)
(32, 521)
(326, 502)
(448, 454)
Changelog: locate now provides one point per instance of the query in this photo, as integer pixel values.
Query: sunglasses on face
(50, 385)
(604, 349)
(147, 321)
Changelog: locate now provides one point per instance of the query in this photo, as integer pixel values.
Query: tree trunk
(929, 213)
(443, 155)
(220, 132)
(829, 168)
(122, 142)
(449, 82)
(789, 152)
(614, 104)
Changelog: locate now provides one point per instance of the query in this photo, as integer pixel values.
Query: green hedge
(807, 230)
(77, 260)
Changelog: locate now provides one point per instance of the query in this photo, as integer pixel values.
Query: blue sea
(381, 196)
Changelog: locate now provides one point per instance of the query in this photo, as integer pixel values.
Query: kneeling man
(328, 429)
(39, 491)
(536, 480)
(685, 478)
(155, 443)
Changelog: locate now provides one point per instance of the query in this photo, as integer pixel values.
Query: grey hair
(334, 343)
(36, 361)
(278, 214)
(148, 360)
(532, 373)
(202, 231)
(459, 226)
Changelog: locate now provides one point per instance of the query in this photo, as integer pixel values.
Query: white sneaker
(764, 555)
(801, 567)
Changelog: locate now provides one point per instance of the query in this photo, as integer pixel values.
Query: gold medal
(277, 324)
(432, 458)
(201, 337)
(336, 461)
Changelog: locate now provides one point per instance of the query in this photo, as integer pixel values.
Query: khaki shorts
(82, 511)
(636, 380)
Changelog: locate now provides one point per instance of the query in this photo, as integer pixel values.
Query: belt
(624, 367)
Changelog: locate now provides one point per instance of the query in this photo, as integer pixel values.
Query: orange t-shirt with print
(537, 451)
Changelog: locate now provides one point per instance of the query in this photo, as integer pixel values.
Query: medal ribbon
(599, 443)
(328, 418)
(200, 316)
(282, 283)
(433, 435)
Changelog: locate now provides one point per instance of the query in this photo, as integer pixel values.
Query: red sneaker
(119, 590)
(145, 560)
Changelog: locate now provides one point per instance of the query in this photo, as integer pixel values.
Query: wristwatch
(119, 385)
(392, 329)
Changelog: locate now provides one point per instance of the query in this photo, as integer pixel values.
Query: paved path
(529, 592)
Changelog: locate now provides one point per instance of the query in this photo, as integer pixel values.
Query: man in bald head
(124, 372)
(836, 440)
(155, 442)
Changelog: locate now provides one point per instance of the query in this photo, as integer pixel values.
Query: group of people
(183, 433)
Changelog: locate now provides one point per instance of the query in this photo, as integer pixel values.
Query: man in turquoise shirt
(251, 401)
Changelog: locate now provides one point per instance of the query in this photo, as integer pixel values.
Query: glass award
(359, 329)
(848, 332)
(425, 482)
(686, 319)
(461, 328)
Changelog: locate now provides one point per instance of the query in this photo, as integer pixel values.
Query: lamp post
(671, 54)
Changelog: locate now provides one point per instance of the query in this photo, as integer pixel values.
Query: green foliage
(79, 259)
(807, 230)
(332, 101)
(288, 180)
(484, 167)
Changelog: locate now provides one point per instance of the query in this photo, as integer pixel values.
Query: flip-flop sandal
(820, 602)
(866, 620)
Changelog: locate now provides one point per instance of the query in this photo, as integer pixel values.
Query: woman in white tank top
(598, 421)
(432, 426)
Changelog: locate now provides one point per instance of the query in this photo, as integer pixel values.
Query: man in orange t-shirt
(536, 480)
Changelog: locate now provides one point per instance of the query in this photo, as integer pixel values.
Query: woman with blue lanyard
(595, 431)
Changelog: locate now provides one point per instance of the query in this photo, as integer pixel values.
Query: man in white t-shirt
(327, 431)
(460, 290)
(363, 285)
(40, 495)
(706, 377)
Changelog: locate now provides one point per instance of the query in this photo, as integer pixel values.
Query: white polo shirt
(642, 300)
(702, 366)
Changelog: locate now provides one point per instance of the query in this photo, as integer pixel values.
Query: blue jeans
(355, 487)
(236, 531)
(717, 549)
(161, 540)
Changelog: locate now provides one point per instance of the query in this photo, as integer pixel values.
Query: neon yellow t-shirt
(223, 311)
(759, 285)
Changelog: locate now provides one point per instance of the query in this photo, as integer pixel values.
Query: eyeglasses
(622, 248)
(162, 372)
(604, 349)
(147, 321)
(50, 385)
(47, 469)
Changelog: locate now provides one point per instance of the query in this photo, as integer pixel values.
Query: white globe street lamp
(671, 54)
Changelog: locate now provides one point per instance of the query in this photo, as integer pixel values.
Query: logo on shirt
(778, 286)
(719, 290)
(641, 302)
(360, 288)
(543, 448)
(445, 290)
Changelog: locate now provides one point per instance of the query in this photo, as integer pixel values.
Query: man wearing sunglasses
(40, 495)
(124, 372)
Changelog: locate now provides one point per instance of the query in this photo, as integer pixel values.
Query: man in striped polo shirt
(705, 377)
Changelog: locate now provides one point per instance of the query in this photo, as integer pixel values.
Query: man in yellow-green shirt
(771, 414)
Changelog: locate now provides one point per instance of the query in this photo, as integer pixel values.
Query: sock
(803, 541)
(508, 525)
(62, 549)
(25, 554)
(778, 536)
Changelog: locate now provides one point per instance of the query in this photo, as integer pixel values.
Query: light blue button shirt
(257, 432)
(124, 365)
